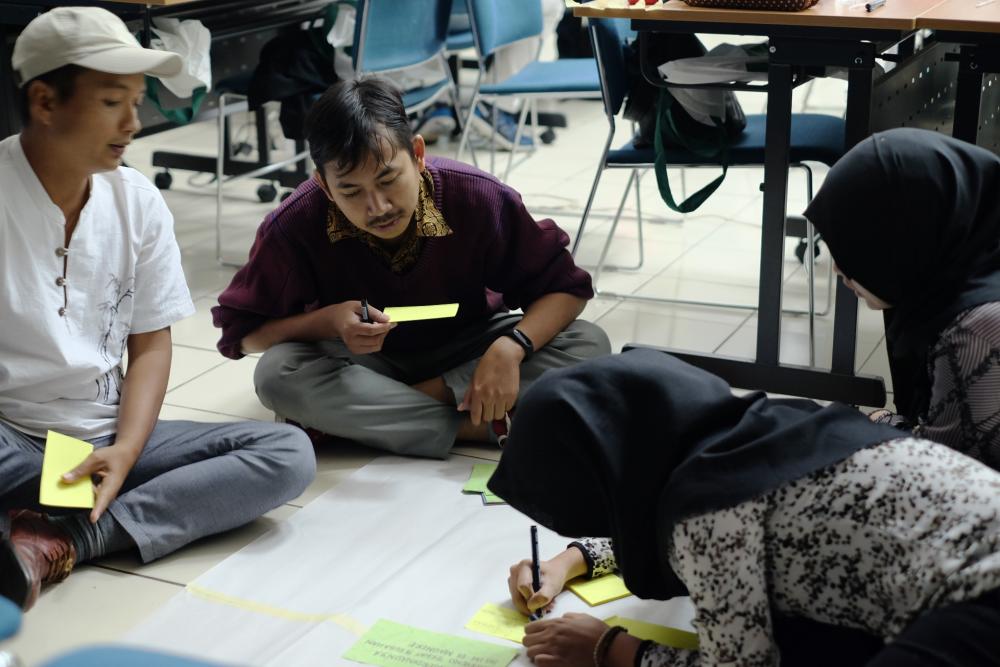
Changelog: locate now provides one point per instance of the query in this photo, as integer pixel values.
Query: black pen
(536, 576)
(364, 312)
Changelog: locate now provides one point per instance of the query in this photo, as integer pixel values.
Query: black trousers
(966, 634)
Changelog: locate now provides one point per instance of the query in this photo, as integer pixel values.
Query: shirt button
(60, 281)
(62, 252)
(62, 312)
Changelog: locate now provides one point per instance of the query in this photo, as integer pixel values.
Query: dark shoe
(318, 438)
(36, 553)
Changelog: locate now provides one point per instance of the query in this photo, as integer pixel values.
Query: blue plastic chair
(10, 618)
(390, 35)
(814, 138)
(461, 38)
(123, 656)
(497, 24)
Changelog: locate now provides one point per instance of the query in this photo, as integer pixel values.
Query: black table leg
(858, 126)
(776, 159)
(968, 96)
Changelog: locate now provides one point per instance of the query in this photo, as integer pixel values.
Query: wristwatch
(521, 339)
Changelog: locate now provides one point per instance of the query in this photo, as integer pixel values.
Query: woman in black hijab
(764, 511)
(912, 219)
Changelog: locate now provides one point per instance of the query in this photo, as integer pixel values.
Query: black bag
(294, 69)
(665, 124)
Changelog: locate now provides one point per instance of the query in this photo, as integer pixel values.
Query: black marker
(536, 576)
(364, 312)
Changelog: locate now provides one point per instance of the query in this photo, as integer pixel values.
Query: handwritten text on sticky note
(389, 644)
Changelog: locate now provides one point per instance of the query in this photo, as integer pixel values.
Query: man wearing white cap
(91, 269)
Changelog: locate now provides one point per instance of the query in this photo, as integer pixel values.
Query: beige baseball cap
(90, 37)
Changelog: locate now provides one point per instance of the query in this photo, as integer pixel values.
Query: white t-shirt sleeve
(161, 292)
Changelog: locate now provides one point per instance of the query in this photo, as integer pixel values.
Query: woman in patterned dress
(804, 535)
(912, 219)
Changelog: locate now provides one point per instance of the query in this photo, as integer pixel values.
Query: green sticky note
(660, 634)
(498, 621)
(389, 644)
(600, 590)
(481, 473)
(490, 498)
(62, 454)
(414, 313)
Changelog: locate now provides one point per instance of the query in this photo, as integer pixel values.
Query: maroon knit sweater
(498, 258)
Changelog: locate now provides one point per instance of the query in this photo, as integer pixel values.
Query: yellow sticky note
(498, 621)
(481, 473)
(598, 591)
(490, 498)
(62, 454)
(660, 634)
(414, 313)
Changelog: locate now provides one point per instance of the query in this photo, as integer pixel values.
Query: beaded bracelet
(641, 651)
(604, 643)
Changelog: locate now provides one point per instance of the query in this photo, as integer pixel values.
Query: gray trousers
(368, 398)
(191, 479)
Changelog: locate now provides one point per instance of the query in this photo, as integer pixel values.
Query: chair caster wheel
(267, 193)
(800, 250)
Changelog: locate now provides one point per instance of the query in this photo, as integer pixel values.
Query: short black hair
(350, 122)
(62, 79)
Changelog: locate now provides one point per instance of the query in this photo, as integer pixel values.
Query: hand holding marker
(536, 578)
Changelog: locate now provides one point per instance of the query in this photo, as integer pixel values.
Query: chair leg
(810, 268)
(220, 160)
(638, 217)
(494, 112)
(810, 265)
(534, 125)
(456, 107)
(593, 191)
(614, 228)
(468, 122)
(521, 118)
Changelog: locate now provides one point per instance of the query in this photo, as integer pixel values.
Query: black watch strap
(521, 339)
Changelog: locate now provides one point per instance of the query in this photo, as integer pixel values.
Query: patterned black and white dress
(964, 367)
(868, 543)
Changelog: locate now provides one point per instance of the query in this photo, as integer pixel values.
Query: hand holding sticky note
(415, 313)
(62, 454)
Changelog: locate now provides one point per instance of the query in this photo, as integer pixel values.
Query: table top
(963, 16)
(894, 15)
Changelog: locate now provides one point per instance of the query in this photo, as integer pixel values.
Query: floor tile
(93, 605)
(198, 331)
(227, 389)
(690, 329)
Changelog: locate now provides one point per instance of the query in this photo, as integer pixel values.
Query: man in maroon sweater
(385, 223)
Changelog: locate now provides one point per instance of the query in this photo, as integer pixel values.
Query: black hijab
(626, 445)
(914, 217)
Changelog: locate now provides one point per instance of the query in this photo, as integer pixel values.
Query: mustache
(384, 218)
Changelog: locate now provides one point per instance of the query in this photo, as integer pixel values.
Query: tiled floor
(711, 255)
